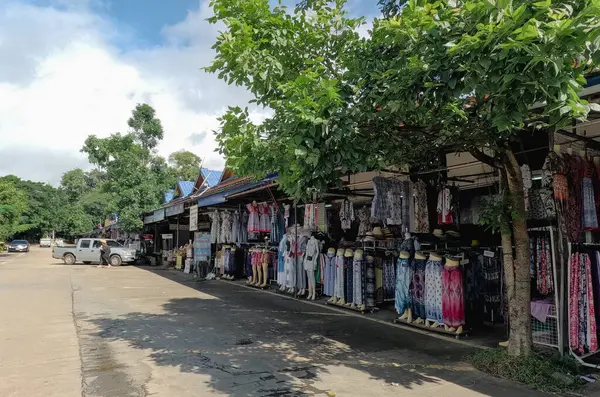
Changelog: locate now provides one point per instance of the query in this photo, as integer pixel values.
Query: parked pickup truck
(87, 251)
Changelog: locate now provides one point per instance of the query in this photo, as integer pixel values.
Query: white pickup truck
(87, 251)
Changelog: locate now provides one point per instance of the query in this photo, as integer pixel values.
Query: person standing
(104, 254)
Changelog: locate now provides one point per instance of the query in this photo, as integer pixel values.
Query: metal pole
(296, 250)
(557, 292)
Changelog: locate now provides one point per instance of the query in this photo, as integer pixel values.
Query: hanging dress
(329, 274)
(453, 306)
(215, 226)
(590, 218)
(357, 266)
(444, 207)
(253, 218)
(226, 227)
(404, 274)
(235, 228)
(264, 218)
(339, 275)
(346, 215)
(433, 291)
(281, 260)
(421, 212)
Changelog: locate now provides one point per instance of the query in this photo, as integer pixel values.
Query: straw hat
(377, 232)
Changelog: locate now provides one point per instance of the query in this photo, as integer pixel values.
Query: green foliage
(534, 371)
(135, 176)
(293, 62)
(439, 75)
(185, 165)
(13, 203)
(146, 129)
(74, 184)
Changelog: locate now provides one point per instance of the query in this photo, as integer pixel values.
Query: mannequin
(453, 300)
(252, 278)
(418, 288)
(265, 267)
(330, 272)
(311, 258)
(257, 268)
(338, 293)
(433, 291)
(404, 275)
(357, 265)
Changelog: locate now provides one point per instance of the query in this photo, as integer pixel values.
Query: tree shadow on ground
(248, 343)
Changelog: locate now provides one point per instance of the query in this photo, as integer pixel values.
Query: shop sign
(203, 226)
(202, 247)
(174, 209)
(193, 218)
(167, 236)
(157, 216)
(173, 226)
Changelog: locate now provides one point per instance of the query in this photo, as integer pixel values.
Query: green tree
(435, 76)
(74, 183)
(185, 165)
(13, 203)
(135, 176)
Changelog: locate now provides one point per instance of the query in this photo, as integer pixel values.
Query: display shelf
(355, 309)
(439, 330)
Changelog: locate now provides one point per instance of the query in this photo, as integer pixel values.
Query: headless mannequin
(338, 286)
(265, 268)
(252, 279)
(258, 277)
(420, 256)
(407, 315)
(452, 262)
(433, 324)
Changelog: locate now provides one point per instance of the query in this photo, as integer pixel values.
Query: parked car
(87, 251)
(46, 242)
(18, 246)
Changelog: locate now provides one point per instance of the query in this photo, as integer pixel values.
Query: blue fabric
(404, 274)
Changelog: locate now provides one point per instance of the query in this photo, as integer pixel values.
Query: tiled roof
(168, 195)
(211, 177)
(185, 187)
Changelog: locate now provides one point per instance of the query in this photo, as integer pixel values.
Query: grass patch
(536, 371)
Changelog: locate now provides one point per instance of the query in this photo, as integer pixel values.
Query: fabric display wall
(229, 227)
(576, 188)
(584, 299)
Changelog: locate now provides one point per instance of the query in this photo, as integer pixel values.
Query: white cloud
(61, 79)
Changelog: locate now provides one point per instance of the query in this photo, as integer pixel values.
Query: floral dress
(433, 291)
(421, 213)
(253, 218)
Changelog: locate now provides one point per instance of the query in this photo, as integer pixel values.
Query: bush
(538, 371)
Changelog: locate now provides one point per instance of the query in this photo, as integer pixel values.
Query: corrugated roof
(211, 177)
(168, 195)
(185, 187)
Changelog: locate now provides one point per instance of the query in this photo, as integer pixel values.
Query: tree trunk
(518, 281)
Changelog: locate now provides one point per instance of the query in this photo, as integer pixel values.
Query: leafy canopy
(135, 176)
(447, 74)
(185, 165)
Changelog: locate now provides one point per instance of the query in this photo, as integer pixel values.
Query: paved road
(83, 331)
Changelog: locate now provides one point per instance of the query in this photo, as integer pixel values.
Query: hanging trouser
(348, 265)
(370, 282)
(404, 273)
(339, 276)
(357, 280)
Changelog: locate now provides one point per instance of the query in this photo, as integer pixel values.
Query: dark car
(18, 246)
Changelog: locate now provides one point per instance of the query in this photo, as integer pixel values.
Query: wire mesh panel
(544, 324)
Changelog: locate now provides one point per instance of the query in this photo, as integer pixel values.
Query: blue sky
(71, 68)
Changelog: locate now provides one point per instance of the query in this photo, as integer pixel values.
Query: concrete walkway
(129, 331)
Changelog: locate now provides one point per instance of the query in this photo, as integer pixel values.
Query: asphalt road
(83, 331)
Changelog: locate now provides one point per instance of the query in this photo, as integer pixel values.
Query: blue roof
(168, 195)
(211, 177)
(221, 197)
(186, 187)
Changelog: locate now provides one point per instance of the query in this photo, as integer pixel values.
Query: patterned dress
(417, 289)
(370, 282)
(215, 219)
(453, 305)
(404, 275)
(433, 291)
(420, 208)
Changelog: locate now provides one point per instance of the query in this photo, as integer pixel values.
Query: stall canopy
(220, 193)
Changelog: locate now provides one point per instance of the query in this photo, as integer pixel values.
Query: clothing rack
(581, 358)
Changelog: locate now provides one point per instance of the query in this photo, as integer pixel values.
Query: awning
(221, 197)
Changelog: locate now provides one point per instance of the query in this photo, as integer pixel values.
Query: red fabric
(574, 299)
(453, 307)
(591, 309)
